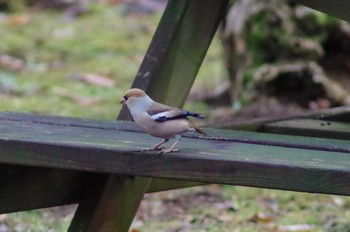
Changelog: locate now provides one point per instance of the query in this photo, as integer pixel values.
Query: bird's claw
(164, 151)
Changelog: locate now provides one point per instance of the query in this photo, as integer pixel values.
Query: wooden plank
(26, 188)
(227, 157)
(336, 8)
(310, 127)
(337, 114)
(72, 131)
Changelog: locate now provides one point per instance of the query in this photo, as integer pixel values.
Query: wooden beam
(310, 127)
(62, 187)
(113, 209)
(26, 188)
(336, 8)
(227, 157)
(337, 114)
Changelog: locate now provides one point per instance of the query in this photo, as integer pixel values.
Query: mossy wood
(79, 154)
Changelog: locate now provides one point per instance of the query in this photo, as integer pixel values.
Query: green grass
(101, 42)
(106, 43)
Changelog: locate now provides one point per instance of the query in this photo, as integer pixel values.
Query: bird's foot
(164, 151)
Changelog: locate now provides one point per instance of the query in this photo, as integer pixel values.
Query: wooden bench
(70, 158)
(49, 161)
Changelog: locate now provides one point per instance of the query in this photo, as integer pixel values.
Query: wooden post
(167, 73)
(114, 208)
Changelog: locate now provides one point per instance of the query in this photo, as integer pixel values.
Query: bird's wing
(162, 113)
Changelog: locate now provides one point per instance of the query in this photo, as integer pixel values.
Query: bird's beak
(122, 100)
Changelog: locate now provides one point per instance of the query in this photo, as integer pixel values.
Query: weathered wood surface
(337, 114)
(227, 157)
(310, 127)
(114, 210)
(26, 188)
(336, 8)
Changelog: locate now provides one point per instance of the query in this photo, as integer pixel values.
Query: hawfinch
(159, 120)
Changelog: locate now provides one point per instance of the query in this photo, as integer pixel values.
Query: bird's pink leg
(156, 147)
(171, 149)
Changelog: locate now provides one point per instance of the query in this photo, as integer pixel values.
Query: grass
(101, 42)
(107, 43)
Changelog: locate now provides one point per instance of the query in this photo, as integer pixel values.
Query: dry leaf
(263, 217)
(94, 79)
(226, 217)
(11, 62)
(298, 228)
(3, 217)
(18, 20)
(134, 230)
(80, 100)
(338, 201)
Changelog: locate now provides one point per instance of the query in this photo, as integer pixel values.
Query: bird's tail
(197, 129)
(201, 131)
(196, 115)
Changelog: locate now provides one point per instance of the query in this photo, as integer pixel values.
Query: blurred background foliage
(270, 58)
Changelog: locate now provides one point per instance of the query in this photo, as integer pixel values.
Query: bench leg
(112, 208)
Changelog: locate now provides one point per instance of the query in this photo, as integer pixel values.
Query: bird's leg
(157, 146)
(171, 149)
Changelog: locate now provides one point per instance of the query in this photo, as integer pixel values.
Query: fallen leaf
(11, 63)
(94, 79)
(298, 228)
(338, 201)
(226, 217)
(134, 230)
(80, 100)
(18, 20)
(261, 217)
(63, 33)
(3, 217)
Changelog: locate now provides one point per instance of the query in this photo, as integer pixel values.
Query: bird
(159, 120)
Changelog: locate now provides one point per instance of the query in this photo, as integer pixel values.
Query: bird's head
(132, 95)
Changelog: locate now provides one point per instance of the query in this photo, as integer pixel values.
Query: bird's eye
(125, 98)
